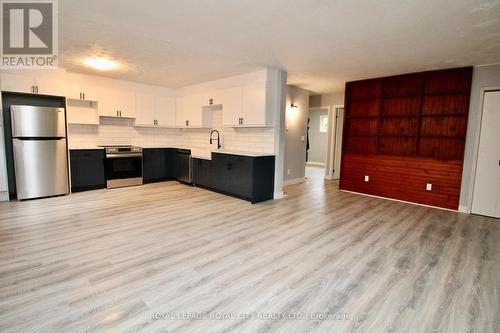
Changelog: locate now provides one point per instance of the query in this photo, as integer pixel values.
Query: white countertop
(196, 152)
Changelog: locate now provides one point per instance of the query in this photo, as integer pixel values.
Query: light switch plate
(367, 179)
(428, 187)
(302, 138)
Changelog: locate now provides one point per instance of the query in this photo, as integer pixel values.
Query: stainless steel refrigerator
(40, 151)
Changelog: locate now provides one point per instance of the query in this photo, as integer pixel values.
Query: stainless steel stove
(123, 166)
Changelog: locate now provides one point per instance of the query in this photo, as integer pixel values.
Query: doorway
(325, 142)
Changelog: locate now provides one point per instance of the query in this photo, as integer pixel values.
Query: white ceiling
(321, 44)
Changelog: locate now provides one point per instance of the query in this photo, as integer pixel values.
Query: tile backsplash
(116, 131)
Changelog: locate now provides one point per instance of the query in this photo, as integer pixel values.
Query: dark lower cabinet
(157, 164)
(250, 178)
(87, 169)
(202, 172)
(245, 177)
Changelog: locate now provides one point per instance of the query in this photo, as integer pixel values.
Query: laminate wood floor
(163, 257)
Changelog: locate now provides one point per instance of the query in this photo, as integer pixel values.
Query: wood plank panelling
(404, 178)
(417, 119)
(406, 106)
(455, 104)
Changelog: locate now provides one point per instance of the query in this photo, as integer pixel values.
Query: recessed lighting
(101, 64)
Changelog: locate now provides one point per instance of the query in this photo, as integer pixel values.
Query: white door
(165, 111)
(486, 200)
(145, 110)
(339, 125)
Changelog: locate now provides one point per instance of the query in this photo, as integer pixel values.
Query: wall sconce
(291, 114)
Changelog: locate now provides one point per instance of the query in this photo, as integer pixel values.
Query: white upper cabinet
(190, 113)
(146, 110)
(246, 106)
(81, 87)
(231, 106)
(18, 83)
(115, 102)
(155, 111)
(253, 105)
(44, 82)
(165, 111)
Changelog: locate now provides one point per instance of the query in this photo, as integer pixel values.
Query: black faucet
(218, 138)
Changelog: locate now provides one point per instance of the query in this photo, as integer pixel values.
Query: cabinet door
(87, 169)
(90, 92)
(188, 111)
(231, 106)
(254, 105)
(240, 176)
(18, 83)
(145, 110)
(51, 82)
(220, 169)
(116, 103)
(155, 164)
(108, 105)
(73, 87)
(127, 104)
(165, 111)
(202, 172)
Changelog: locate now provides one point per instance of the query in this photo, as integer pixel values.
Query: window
(323, 123)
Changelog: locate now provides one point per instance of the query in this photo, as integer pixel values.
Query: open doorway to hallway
(324, 142)
(317, 142)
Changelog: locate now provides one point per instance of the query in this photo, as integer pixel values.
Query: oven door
(123, 170)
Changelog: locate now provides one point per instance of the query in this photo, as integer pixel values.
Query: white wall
(295, 133)
(316, 101)
(483, 77)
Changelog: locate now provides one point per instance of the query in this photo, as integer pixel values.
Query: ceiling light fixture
(101, 64)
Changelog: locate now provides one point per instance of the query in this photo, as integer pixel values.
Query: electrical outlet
(428, 187)
(367, 179)
(288, 172)
(302, 138)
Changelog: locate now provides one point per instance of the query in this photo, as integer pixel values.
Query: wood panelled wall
(405, 132)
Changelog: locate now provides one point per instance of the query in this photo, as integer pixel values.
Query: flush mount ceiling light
(101, 64)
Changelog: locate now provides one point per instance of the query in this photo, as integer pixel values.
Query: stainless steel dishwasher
(184, 166)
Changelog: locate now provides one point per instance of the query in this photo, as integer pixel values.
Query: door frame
(333, 124)
(477, 138)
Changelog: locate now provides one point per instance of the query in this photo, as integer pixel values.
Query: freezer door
(37, 122)
(41, 168)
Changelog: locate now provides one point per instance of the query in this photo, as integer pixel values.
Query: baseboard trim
(464, 209)
(312, 163)
(278, 195)
(4, 196)
(294, 181)
(408, 202)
